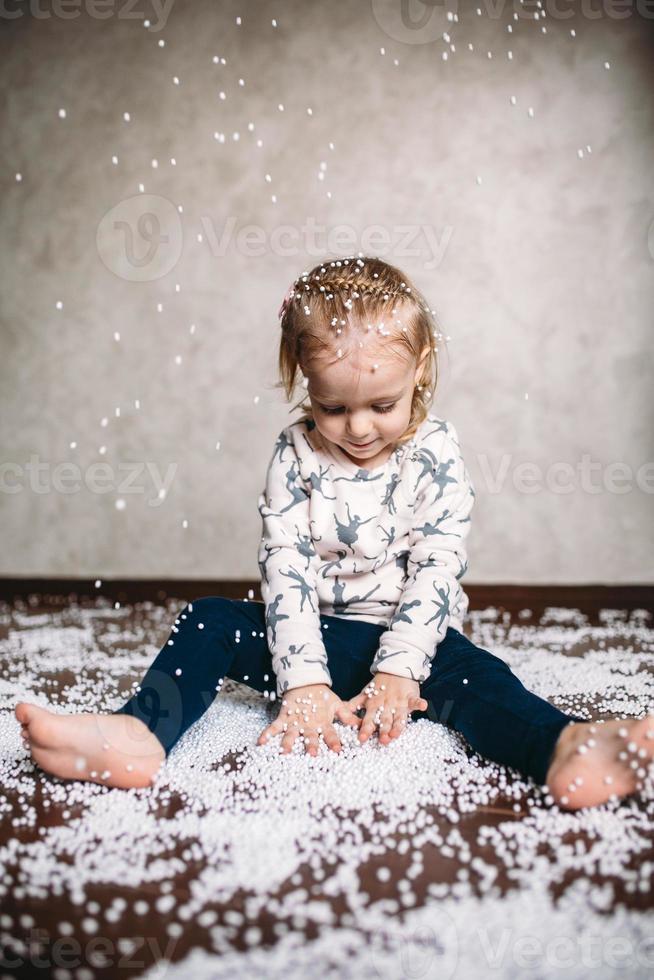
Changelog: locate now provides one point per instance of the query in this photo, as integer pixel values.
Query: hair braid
(342, 294)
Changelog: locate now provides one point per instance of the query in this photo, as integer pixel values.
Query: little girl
(365, 513)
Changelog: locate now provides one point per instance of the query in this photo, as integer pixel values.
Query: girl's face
(363, 411)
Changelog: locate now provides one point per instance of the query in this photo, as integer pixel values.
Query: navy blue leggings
(216, 637)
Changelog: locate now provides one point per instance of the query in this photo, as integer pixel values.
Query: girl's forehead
(376, 376)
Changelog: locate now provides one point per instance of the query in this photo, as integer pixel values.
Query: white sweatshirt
(384, 546)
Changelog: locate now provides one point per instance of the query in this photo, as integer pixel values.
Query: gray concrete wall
(542, 274)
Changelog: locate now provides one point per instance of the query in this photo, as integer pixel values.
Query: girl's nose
(358, 431)
(359, 428)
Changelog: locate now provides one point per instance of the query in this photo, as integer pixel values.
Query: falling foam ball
(19, 177)
(62, 113)
(59, 305)
(126, 116)
(185, 523)
(120, 504)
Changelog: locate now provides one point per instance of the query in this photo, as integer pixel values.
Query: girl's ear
(421, 361)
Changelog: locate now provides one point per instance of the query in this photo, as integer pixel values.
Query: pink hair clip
(290, 293)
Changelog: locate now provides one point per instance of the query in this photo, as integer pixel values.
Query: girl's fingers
(345, 714)
(331, 739)
(272, 729)
(399, 723)
(289, 739)
(311, 742)
(385, 724)
(264, 736)
(367, 725)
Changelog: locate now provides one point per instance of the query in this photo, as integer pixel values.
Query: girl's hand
(388, 700)
(307, 712)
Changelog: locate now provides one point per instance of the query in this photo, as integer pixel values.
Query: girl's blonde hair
(329, 304)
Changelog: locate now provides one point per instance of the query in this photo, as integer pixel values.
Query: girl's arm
(436, 562)
(288, 563)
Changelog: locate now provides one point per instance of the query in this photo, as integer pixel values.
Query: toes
(34, 719)
(644, 729)
(39, 730)
(23, 712)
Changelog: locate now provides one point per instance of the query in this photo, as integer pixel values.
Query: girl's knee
(209, 602)
(466, 657)
(209, 607)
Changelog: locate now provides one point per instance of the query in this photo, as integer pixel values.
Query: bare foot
(601, 760)
(115, 750)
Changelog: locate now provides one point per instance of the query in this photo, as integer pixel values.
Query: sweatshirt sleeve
(288, 563)
(444, 496)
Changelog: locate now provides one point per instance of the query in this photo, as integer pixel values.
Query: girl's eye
(378, 408)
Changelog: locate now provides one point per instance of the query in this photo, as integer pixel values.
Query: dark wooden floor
(42, 598)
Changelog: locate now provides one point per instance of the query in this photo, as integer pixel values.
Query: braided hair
(330, 307)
